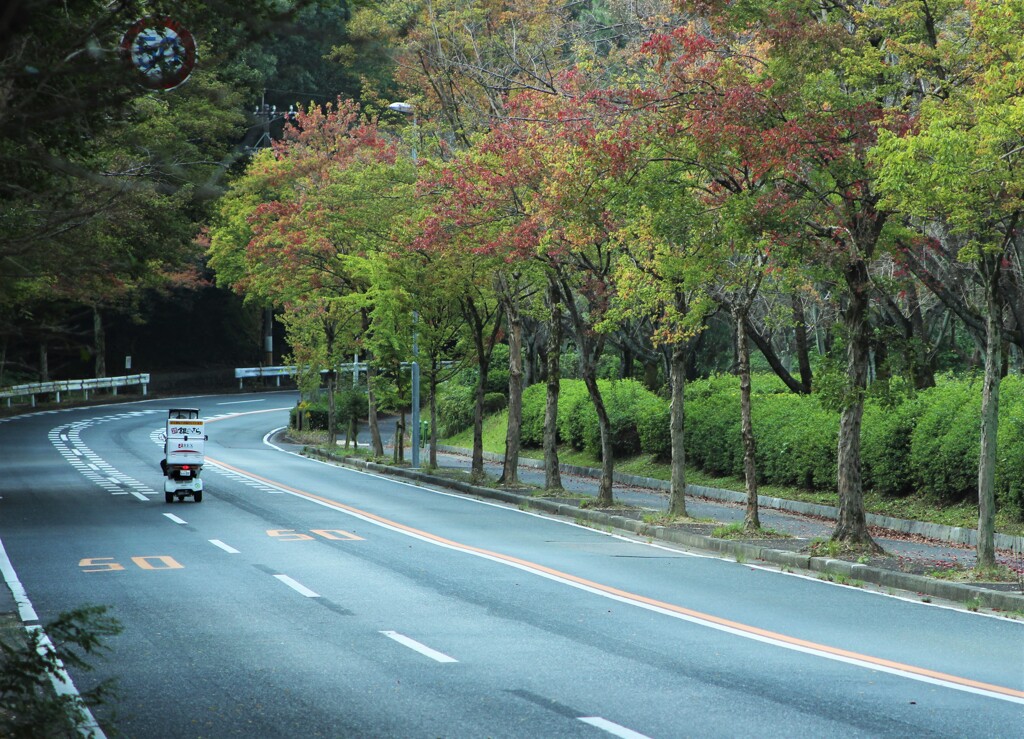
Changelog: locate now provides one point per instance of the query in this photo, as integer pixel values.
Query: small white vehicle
(184, 455)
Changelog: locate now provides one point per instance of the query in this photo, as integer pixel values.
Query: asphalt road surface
(304, 599)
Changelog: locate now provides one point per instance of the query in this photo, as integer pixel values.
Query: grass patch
(840, 579)
(969, 574)
(661, 518)
(833, 549)
(738, 531)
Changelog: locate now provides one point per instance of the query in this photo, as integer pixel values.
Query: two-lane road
(303, 599)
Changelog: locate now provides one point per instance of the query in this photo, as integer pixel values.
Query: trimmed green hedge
(638, 417)
(927, 444)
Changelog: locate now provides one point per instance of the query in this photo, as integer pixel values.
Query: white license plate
(186, 473)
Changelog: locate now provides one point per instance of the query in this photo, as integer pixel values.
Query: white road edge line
(417, 647)
(175, 518)
(225, 547)
(297, 586)
(612, 728)
(61, 680)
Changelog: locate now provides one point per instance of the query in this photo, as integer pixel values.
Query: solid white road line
(612, 728)
(58, 675)
(297, 586)
(416, 646)
(175, 518)
(225, 547)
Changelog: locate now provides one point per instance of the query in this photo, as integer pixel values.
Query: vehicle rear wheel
(168, 497)
(198, 496)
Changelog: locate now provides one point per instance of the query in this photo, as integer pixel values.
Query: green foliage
(712, 428)
(494, 402)
(796, 437)
(573, 405)
(945, 441)
(639, 418)
(29, 706)
(497, 373)
(797, 440)
(885, 446)
(348, 404)
(626, 403)
(455, 404)
(1010, 465)
(531, 433)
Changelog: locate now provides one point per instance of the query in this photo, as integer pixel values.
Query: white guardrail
(32, 389)
(242, 373)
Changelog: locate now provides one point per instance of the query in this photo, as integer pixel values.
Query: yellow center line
(736, 627)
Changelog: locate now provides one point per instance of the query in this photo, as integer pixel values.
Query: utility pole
(265, 114)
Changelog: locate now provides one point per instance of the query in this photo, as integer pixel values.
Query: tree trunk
(803, 352)
(513, 433)
(371, 397)
(371, 409)
(398, 446)
(332, 410)
(590, 348)
(552, 474)
(990, 414)
(99, 338)
(677, 423)
(605, 496)
(751, 519)
(477, 466)
(44, 362)
(766, 348)
(851, 526)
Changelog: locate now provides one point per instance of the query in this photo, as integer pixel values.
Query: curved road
(303, 599)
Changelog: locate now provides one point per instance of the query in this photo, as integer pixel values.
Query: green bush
(795, 437)
(796, 441)
(712, 427)
(494, 402)
(625, 402)
(455, 406)
(348, 404)
(944, 443)
(1010, 468)
(573, 404)
(497, 373)
(886, 437)
(653, 424)
(535, 399)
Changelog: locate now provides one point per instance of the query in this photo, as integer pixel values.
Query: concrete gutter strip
(742, 551)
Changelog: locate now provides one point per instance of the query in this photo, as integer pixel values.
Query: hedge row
(639, 419)
(927, 444)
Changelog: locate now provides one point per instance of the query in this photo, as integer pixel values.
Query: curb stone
(925, 586)
(940, 532)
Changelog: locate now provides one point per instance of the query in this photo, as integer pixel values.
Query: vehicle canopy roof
(188, 413)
